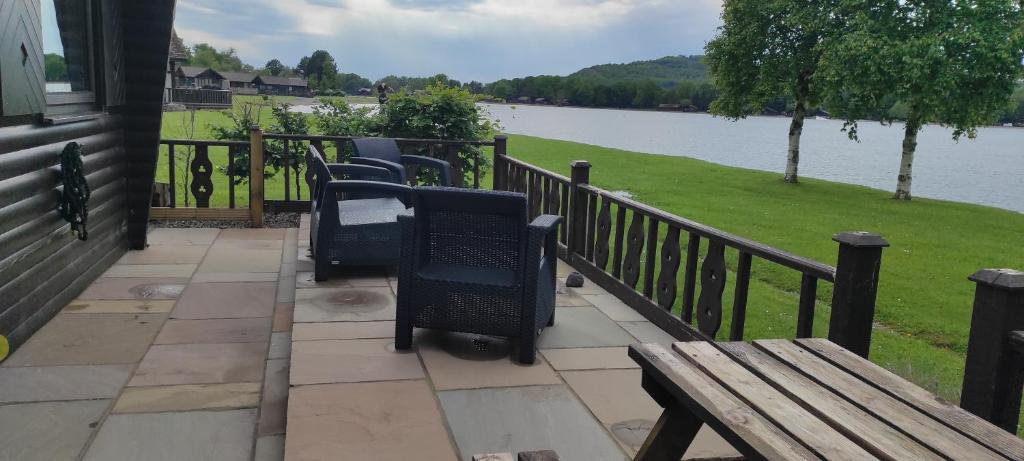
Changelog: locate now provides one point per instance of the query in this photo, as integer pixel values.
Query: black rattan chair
(471, 263)
(371, 151)
(354, 216)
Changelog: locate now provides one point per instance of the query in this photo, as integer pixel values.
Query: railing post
(992, 375)
(856, 285)
(578, 206)
(256, 176)
(500, 150)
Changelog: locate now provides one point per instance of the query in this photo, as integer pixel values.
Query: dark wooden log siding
(42, 265)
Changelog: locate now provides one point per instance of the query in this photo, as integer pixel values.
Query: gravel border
(270, 220)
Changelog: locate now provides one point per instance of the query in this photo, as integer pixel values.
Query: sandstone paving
(134, 288)
(192, 435)
(201, 363)
(72, 382)
(346, 361)
(48, 431)
(93, 339)
(184, 397)
(226, 300)
(243, 330)
(344, 304)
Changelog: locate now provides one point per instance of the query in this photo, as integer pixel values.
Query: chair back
(466, 227)
(382, 148)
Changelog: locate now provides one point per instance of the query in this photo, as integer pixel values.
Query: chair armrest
(443, 168)
(340, 170)
(397, 171)
(399, 191)
(544, 224)
(542, 234)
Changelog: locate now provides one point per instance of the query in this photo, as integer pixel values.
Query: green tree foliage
(439, 112)
(954, 63)
(243, 117)
(664, 71)
(275, 67)
(321, 70)
(56, 68)
(205, 55)
(352, 83)
(278, 153)
(765, 49)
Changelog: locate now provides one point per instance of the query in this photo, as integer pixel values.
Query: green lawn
(924, 300)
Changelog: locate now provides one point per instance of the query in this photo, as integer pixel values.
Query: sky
(483, 40)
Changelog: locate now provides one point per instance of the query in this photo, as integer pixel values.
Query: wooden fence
(199, 97)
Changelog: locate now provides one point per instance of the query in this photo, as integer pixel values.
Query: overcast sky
(480, 40)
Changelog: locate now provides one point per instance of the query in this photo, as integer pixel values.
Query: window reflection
(66, 45)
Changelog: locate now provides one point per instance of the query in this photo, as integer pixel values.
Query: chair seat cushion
(467, 274)
(369, 211)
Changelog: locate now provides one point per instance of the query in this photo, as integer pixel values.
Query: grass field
(924, 300)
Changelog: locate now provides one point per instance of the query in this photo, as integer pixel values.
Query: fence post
(855, 289)
(578, 206)
(256, 176)
(992, 375)
(497, 164)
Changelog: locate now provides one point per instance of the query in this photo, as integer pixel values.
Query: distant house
(239, 82)
(670, 107)
(177, 54)
(199, 77)
(365, 91)
(269, 84)
(524, 100)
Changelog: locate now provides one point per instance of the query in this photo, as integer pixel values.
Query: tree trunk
(903, 181)
(796, 128)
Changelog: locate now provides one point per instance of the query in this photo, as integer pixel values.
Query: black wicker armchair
(384, 152)
(471, 263)
(354, 216)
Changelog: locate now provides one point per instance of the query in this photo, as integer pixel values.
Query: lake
(988, 170)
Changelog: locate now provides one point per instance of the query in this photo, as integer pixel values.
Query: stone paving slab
(119, 306)
(525, 419)
(647, 332)
(252, 330)
(618, 401)
(225, 300)
(614, 308)
(219, 277)
(366, 421)
(583, 327)
(165, 254)
(274, 406)
(34, 384)
(172, 236)
(343, 330)
(344, 304)
(49, 431)
(94, 339)
(283, 314)
(134, 288)
(344, 278)
(589, 358)
(464, 361)
(150, 270)
(248, 244)
(228, 259)
(193, 435)
(348, 361)
(280, 346)
(201, 364)
(185, 397)
(269, 448)
(253, 234)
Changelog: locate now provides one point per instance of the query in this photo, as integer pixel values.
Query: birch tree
(767, 49)
(952, 62)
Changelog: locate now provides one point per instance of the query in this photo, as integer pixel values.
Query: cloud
(466, 39)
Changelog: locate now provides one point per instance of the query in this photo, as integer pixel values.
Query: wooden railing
(200, 179)
(198, 97)
(994, 372)
(636, 252)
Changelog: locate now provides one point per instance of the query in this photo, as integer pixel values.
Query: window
(67, 51)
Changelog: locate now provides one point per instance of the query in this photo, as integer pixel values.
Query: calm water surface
(988, 170)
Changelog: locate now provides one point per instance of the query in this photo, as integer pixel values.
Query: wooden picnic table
(804, 399)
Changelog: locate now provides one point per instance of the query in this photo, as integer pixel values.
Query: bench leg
(671, 435)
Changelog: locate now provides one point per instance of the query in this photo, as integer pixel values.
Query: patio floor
(188, 350)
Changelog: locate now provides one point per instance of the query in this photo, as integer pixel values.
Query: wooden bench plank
(744, 428)
(921, 427)
(777, 407)
(868, 431)
(945, 412)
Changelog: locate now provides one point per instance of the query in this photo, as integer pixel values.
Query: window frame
(78, 102)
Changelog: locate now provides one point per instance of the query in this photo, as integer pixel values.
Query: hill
(665, 71)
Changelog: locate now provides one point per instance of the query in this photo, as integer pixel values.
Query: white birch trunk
(796, 128)
(905, 178)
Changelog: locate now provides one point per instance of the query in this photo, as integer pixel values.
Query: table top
(811, 399)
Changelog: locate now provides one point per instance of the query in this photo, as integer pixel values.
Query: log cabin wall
(42, 265)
